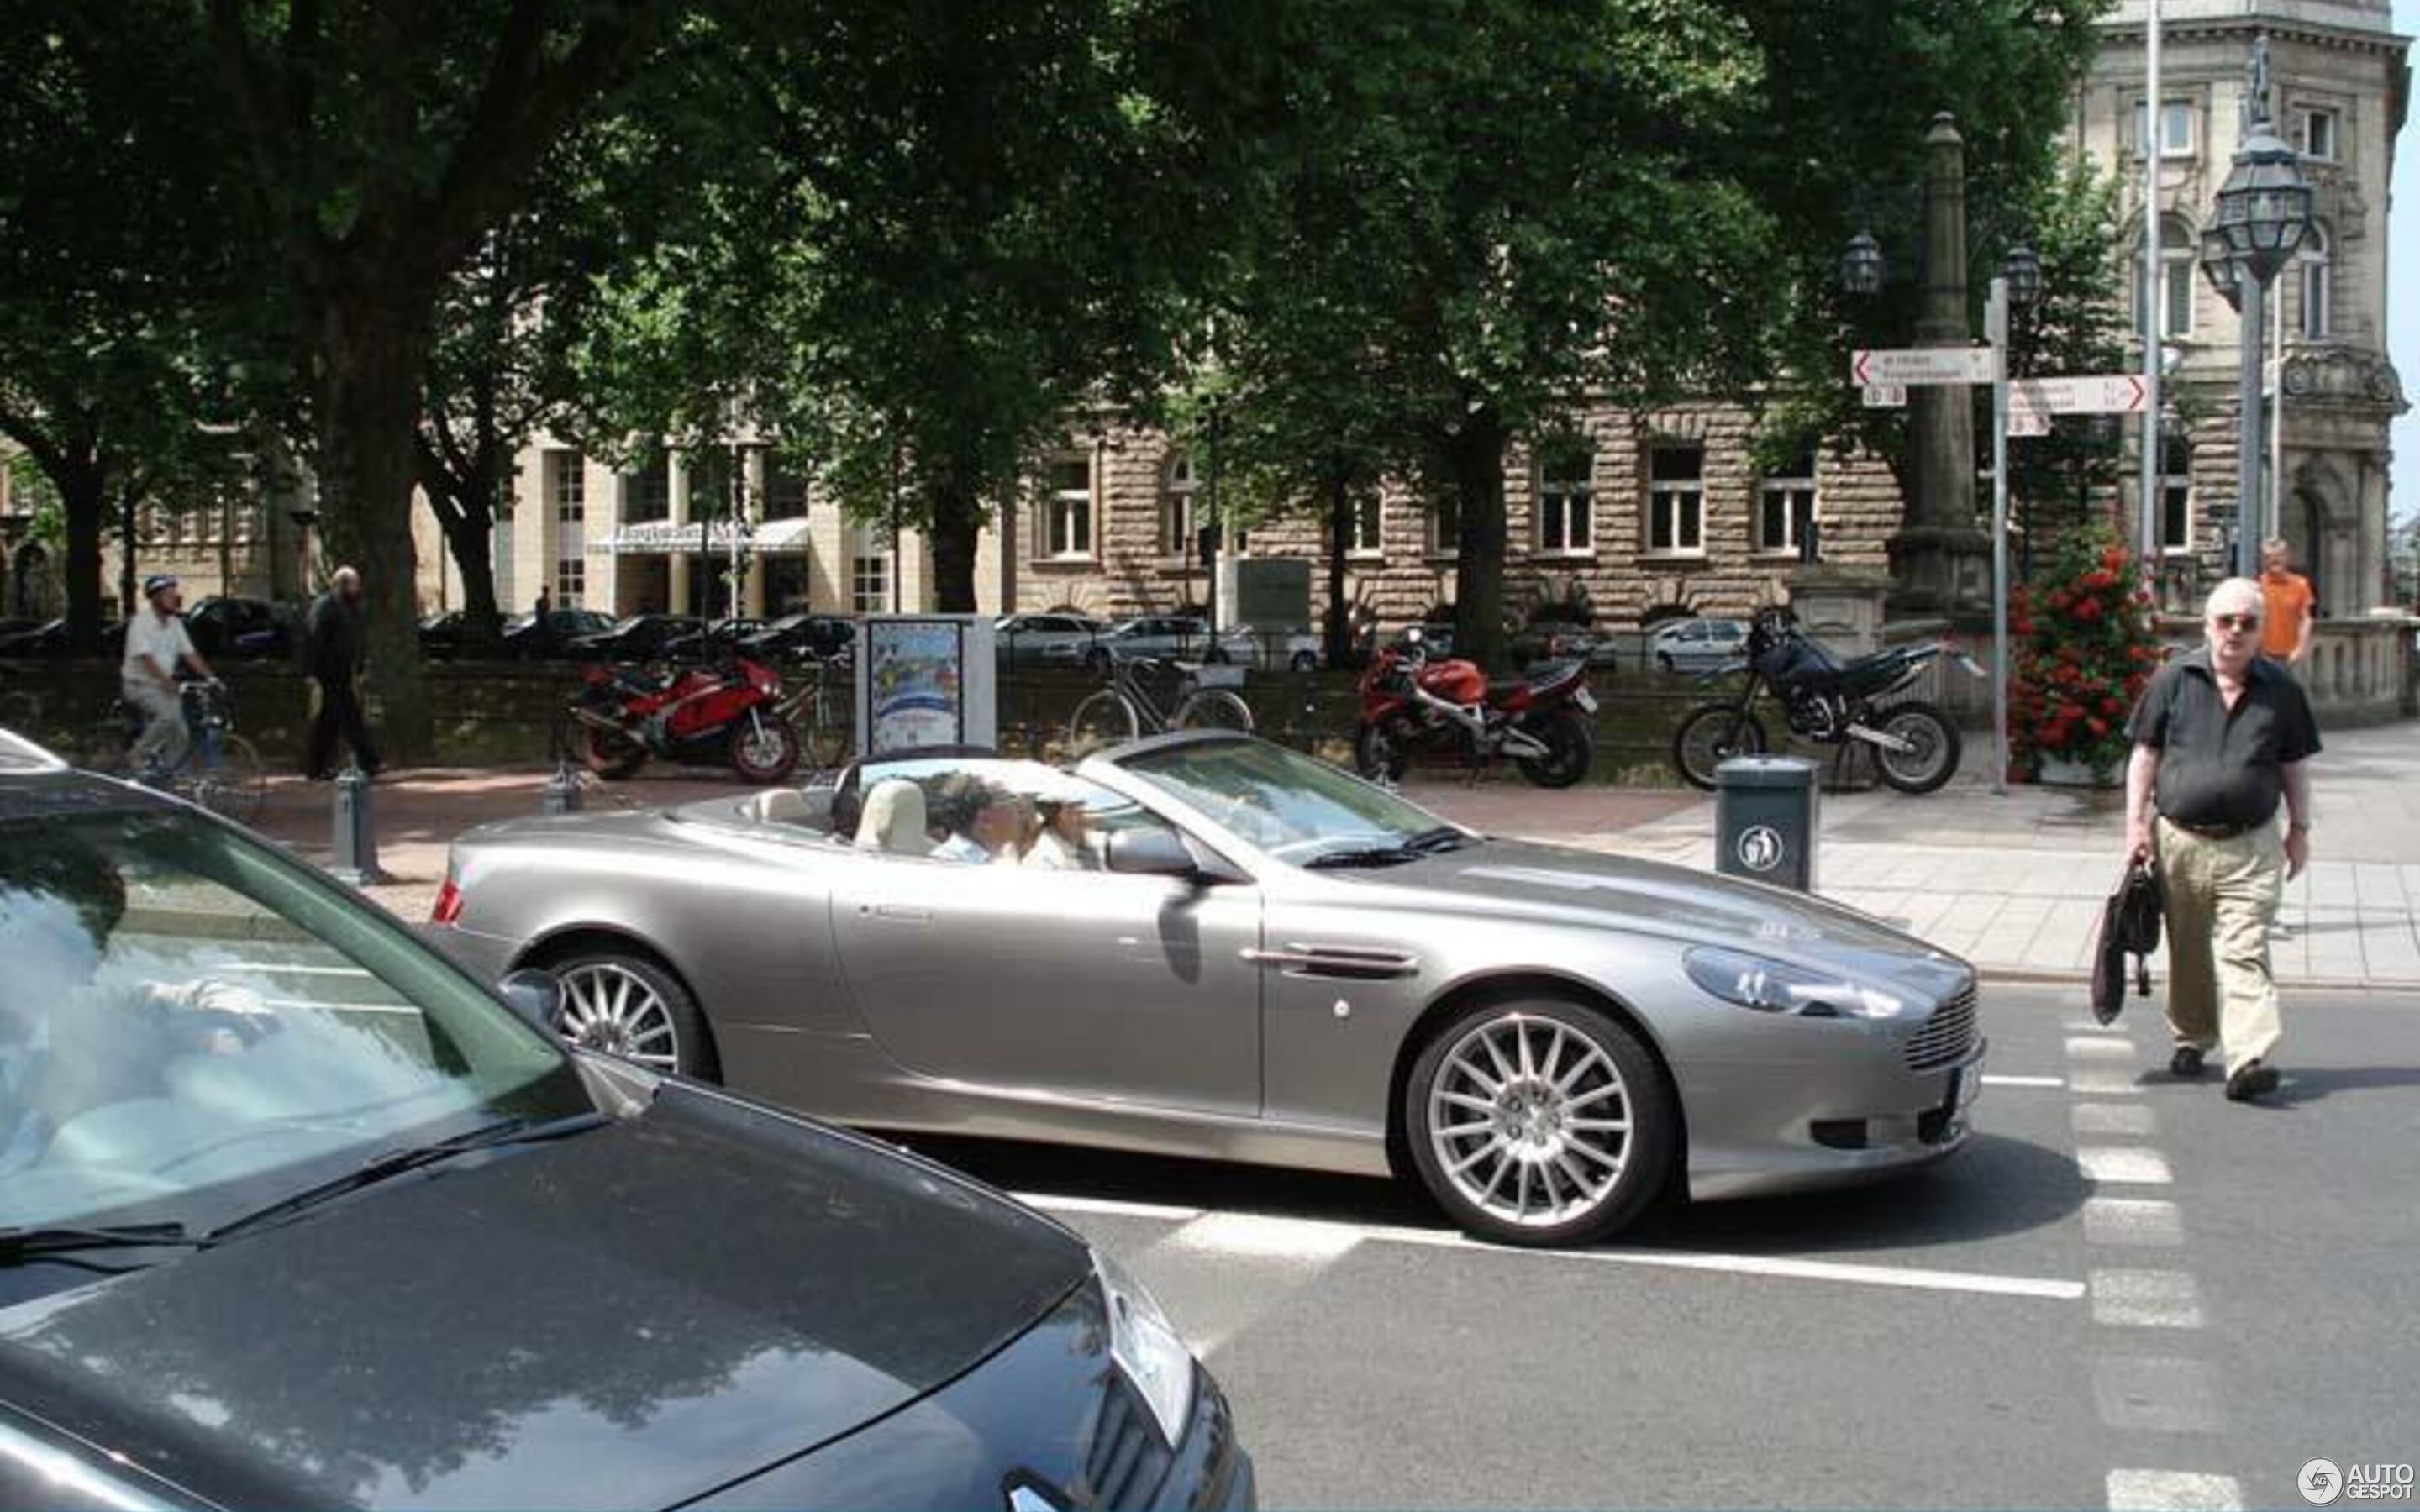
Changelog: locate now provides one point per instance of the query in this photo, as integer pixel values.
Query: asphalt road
(2125, 1292)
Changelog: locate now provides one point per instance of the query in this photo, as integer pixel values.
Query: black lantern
(1861, 266)
(2023, 274)
(2218, 267)
(2264, 208)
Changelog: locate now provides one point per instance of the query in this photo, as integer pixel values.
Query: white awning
(663, 537)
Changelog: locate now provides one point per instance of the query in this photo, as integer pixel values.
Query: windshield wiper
(1434, 841)
(396, 1163)
(67, 1239)
(1363, 856)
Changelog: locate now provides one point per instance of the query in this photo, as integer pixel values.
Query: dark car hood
(626, 1318)
(1589, 888)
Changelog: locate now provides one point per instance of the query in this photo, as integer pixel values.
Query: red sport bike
(731, 713)
(1447, 712)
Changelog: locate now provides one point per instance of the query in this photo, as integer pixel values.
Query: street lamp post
(2263, 213)
(2019, 280)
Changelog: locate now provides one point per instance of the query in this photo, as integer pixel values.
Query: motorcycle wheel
(1571, 750)
(1934, 759)
(611, 756)
(1711, 735)
(1378, 753)
(764, 750)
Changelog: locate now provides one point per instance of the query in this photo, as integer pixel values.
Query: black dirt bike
(1914, 748)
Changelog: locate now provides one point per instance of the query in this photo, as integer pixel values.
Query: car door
(1087, 984)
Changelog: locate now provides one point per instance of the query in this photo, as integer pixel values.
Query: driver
(67, 1044)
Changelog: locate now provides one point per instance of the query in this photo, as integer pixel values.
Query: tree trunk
(84, 499)
(468, 523)
(956, 524)
(372, 351)
(1339, 627)
(1474, 457)
(128, 545)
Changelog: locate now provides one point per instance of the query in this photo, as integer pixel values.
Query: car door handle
(1352, 962)
(901, 913)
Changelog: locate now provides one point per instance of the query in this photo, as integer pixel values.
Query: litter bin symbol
(1766, 819)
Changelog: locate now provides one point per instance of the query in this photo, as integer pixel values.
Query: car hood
(1591, 889)
(626, 1319)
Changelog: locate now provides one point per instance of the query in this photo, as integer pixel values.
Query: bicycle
(1124, 709)
(819, 710)
(220, 770)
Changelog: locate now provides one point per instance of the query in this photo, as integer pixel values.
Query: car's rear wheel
(1540, 1122)
(1664, 660)
(624, 1004)
(1304, 661)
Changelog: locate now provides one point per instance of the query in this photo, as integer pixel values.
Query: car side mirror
(535, 996)
(1164, 853)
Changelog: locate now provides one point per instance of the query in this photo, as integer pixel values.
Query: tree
(383, 145)
(2075, 325)
(119, 275)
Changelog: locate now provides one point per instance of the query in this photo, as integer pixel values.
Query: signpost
(1885, 396)
(1926, 364)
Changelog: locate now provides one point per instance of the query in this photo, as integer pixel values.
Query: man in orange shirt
(2286, 628)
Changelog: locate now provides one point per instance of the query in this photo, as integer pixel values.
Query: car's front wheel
(627, 1005)
(1540, 1122)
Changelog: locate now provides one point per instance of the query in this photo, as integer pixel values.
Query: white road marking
(2094, 1026)
(1301, 1234)
(2143, 1222)
(2099, 1047)
(2156, 1395)
(2127, 1165)
(2114, 1118)
(2051, 1082)
(1301, 1241)
(2173, 1490)
(2104, 1081)
(2145, 1299)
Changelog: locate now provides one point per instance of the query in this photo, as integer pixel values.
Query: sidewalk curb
(2036, 976)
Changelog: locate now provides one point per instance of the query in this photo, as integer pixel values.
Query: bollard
(356, 838)
(563, 790)
(1765, 820)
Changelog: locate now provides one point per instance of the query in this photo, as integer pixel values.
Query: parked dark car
(707, 642)
(224, 626)
(802, 638)
(50, 638)
(308, 1218)
(639, 638)
(448, 635)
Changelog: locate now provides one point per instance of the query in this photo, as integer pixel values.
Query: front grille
(1127, 1460)
(1943, 1039)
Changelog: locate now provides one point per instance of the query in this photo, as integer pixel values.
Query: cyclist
(155, 645)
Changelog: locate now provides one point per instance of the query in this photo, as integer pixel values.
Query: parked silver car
(1696, 646)
(1212, 946)
(1027, 640)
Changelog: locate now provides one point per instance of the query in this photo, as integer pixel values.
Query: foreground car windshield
(192, 1027)
(1289, 805)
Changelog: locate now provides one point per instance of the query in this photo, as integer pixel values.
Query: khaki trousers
(164, 739)
(2222, 900)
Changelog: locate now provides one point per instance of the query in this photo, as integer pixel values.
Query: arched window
(2316, 263)
(1177, 488)
(2177, 254)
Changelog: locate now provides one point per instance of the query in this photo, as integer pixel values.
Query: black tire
(1216, 655)
(764, 749)
(1571, 749)
(235, 787)
(1537, 1126)
(1708, 737)
(1304, 661)
(692, 1052)
(1096, 662)
(1933, 762)
(1212, 708)
(1663, 661)
(1378, 753)
(610, 756)
(1105, 717)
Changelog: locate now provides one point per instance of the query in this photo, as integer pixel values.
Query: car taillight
(448, 907)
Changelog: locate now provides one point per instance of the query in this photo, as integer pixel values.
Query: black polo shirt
(2222, 769)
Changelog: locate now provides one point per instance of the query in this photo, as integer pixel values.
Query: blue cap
(157, 581)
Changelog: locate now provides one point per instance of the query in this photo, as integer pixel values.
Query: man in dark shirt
(333, 654)
(2220, 736)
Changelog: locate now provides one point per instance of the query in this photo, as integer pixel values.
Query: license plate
(1586, 700)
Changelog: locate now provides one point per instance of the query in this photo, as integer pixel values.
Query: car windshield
(1287, 804)
(192, 1026)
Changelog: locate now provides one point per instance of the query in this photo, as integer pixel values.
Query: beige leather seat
(781, 806)
(893, 819)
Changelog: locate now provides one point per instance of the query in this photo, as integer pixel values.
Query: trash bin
(1764, 820)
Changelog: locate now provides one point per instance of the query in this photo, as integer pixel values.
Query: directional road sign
(1885, 396)
(1926, 364)
(2027, 422)
(2114, 395)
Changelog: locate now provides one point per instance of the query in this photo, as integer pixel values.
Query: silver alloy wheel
(609, 1007)
(1530, 1119)
(764, 747)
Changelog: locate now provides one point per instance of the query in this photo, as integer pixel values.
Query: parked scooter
(734, 713)
(1914, 748)
(1446, 711)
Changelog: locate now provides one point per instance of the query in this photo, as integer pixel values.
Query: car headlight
(1778, 987)
(1147, 1347)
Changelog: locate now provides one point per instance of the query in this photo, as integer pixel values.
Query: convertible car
(1206, 945)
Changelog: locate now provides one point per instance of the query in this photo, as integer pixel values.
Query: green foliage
(2087, 644)
(2076, 326)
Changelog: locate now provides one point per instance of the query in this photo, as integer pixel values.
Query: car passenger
(987, 822)
(1061, 844)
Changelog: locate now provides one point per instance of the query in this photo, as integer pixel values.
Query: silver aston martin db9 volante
(1208, 945)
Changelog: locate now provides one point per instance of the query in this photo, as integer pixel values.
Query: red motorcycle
(731, 713)
(1446, 711)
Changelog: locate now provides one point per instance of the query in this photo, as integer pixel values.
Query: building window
(869, 583)
(2318, 283)
(1676, 500)
(2177, 254)
(650, 495)
(2176, 497)
(571, 582)
(2176, 129)
(785, 494)
(1785, 506)
(1369, 516)
(570, 487)
(1067, 513)
(1567, 502)
(2315, 134)
(1177, 488)
(1445, 527)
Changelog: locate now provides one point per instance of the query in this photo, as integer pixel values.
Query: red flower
(2087, 609)
(2110, 704)
(2099, 727)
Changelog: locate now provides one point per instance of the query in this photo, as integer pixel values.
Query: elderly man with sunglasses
(2221, 736)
